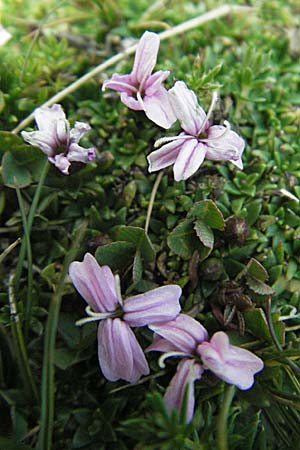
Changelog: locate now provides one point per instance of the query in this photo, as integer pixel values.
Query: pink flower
(141, 90)
(230, 363)
(185, 337)
(181, 388)
(198, 140)
(120, 355)
(55, 138)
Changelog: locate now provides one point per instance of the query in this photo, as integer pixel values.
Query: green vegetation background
(253, 60)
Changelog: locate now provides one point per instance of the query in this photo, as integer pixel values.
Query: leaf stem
(174, 31)
(222, 428)
(48, 371)
(152, 198)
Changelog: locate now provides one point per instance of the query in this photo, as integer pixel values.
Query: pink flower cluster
(142, 90)
(120, 354)
(176, 334)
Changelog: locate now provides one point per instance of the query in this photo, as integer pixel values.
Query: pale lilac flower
(55, 138)
(230, 363)
(198, 140)
(185, 337)
(141, 90)
(181, 387)
(120, 355)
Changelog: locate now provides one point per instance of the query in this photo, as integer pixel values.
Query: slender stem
(48, 371)
(30, 219)
(29, 262)
(19, 345)
(222, 428)
(152, 198)
(9, 249)
(179, 29)
(28, 54)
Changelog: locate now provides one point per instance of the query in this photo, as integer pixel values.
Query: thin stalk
(152, 198)
(29, 262)
(30, 219)
(28, 54)
(9, 249)
(19, 345)
(167, 34)
(222, 428)
(48, 371)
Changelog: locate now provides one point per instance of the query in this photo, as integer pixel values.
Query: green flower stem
(19, 345)
(152, 198)
(222, 441)
(30, 219)
(48, 371)
(214, 14)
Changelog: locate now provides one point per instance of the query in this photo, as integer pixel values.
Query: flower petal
(120, 355)
(230, 363)
(182, 386)
(186, 108)
(158, 108)
(61, 162)
(41, 139)
(158, 305)
(131, 102)
(223, 144)
(154, 81)
(94, 283)
(161, 345)
(79, 130)
(145, 56)
(189, 159)
(121, 83)
(46, 118)
(165, 156)
(184, 333)
(78, 153)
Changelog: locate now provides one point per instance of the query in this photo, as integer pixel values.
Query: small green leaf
(256, 322)
(14, 175)
(253, 211)
(208, 212)
(182, 240)
(259, 287)
(117, 255)
(256, 270)
(137, 270)
(139, 239)
(204, 233)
